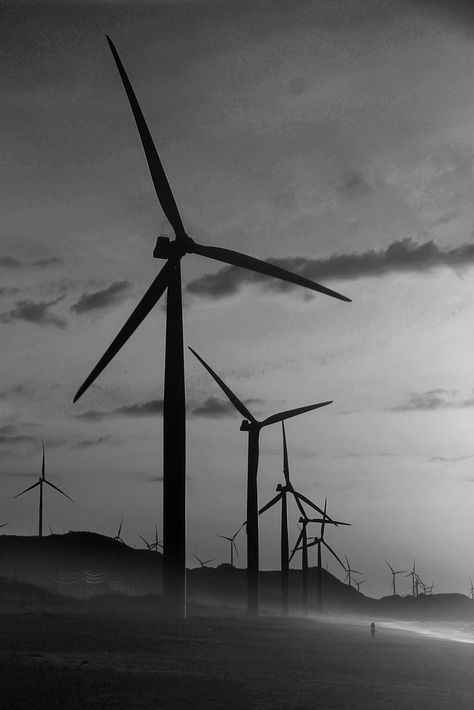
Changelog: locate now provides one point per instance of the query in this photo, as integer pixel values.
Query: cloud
(353, 184)
(400, 256)
(8, 262)
(453, 459)
(32, 312)
(433, 400)
(22, 390)
(216, 408)
(7, 291)
(113, 294)
(9, 436)
(46, 262)
(88, 443)
(146, 409)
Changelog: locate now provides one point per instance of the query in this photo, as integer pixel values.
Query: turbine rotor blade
(311, 504)
(292, 413)
(391, 568)
(42, 464)
(235, 548)
(286, 467)
(270, 503)
(323, 524)
(240, 406)
(158, 175)
(58, 489)
(334, 554)
(300, 537)
(151, 297)
(27, 489)
(235, 258)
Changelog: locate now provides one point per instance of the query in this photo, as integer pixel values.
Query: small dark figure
(372, 630)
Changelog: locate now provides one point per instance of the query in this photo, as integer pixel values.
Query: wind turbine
(471, 591)
(359, 583)
(118, 537)
(203, 564)
(319, 541)
(350, 572)
(174, 405)
(414, 583)
(394, 574)
(253, 427)
(152, 545)
(41, 482)
(282, 491)
(233, 546)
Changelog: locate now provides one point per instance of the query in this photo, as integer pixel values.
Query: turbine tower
(174, 404)
(41, 482)
(394, 574)
(282, 491)
(471, 590)
(414, 580)
(253, 427)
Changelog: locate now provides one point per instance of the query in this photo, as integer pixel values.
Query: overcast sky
(333, 137)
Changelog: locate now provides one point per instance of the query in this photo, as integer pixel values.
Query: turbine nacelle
(249, 426)
(165, 248)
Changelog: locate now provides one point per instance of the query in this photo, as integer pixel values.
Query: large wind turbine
(253, 427)
(174, 406)
(394, 574)
(282, 491)
(40, 482)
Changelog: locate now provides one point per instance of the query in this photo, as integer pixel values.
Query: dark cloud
(216, 408)
(8, 262)
(353, 184)
(22, 390)
(32, 312)
(147, 409)
(400, 256)
(454, 459)
(46, 262)
(88, 443)
(113, 294)
(10, 436)
(432, 400)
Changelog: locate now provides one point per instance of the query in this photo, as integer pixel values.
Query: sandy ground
(72, 660)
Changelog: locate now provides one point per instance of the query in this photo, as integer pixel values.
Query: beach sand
(102, 661)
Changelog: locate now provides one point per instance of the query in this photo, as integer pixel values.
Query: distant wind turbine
(233, 546)
(414, 582)
(394, 574)
(320, 541)
(358, 583)
(118, 537)
(201, 562)
(282, 491)
(174, 405)
(152, 546)
(41, 482)
(471, 591)
(350, 572)
(253, 427)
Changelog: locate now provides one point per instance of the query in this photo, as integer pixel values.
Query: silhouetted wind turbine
(282, 491)
(394, 573)
(118, 537)
(359, 583)
(414, 584)
(350, 572)
(471, 591)
(253, 427)
(174, 406)
(201, 562)
(152, 545)
(319, 541)
(233, 546)
(41, 482)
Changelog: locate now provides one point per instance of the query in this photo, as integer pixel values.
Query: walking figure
(372, 630)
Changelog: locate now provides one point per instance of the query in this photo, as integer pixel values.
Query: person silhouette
(372, 630)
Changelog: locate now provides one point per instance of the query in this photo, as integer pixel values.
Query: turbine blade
(240, 406)
(391, 568)
(300, 537)
(59, 490)
(150, 298)
(270, 503)
(286, 467)
(235, 258)
(142, 538)
(225, 538)
(160, 181)
(334, 555)
(235, 548)
(292, 413)
(27, 489)
(310, 503)
(323, 524)
(197, 558)
(42, 464)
